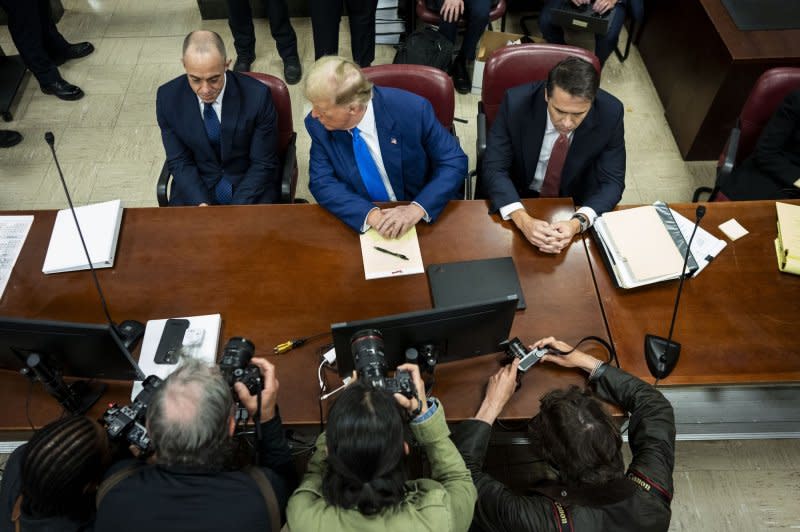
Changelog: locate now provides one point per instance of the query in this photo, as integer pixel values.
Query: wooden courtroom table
(737, 321)
(279, 272)
(703, 68)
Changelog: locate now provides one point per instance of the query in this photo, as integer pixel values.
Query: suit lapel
(533, 136)
(390, 144)
(190, 108)
(230, 112)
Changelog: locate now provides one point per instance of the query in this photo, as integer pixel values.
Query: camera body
(527, 359)
(128, 421)
(235, 365)
(369, 361)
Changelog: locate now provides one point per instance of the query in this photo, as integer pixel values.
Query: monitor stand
(76, 398)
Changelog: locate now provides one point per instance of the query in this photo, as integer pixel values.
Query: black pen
(392, 253)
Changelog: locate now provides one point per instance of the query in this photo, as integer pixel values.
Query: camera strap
(109, 483)
(260, 478)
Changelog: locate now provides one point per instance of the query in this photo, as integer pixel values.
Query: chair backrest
(522, 63)
(428, 16)
(767, 94)
(429, 82)
(283, 107)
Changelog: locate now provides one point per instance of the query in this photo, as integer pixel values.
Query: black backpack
(425, 47)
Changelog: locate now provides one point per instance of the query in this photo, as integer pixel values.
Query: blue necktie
(368, 169)
(224, 189)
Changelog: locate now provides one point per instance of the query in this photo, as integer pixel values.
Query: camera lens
(368, 358)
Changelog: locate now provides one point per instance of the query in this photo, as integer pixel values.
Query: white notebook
(100, 224)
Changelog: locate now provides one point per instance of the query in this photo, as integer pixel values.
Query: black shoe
(75, 51)
(292, 70)
(461, 81)
(62, 89)
(242, 64)
(9, 138)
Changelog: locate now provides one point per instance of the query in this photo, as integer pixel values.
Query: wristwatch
(582, 219)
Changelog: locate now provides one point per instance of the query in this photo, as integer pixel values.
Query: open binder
(646, 245)
(787, 245)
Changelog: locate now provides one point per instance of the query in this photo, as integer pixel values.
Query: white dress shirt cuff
(506, 210)
(589, 213)
(365, 226)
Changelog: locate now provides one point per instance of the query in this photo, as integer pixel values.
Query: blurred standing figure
(42, 47)
(325, 18)
(240, 19)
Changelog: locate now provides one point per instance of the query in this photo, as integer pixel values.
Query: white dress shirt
(217, 105)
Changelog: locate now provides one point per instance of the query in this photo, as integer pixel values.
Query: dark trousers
(603, 44)
(240, 19)
(35, 35)
(476, 18)
(325, 18)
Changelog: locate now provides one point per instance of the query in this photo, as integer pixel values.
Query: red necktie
(552, 177)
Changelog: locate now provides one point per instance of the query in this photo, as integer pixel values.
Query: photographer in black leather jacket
(591, 490)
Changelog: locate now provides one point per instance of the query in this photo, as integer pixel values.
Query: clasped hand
(395, 221)
(548, 237)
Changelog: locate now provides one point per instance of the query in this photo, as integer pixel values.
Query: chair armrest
(731, 150)
(162, 185)
(480, 143)
(289, 172)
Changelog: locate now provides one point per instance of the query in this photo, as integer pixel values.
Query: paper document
(384, 257)
(100, 225)
(643, 243)
(787, 245)
(205, 351)
(13, 232)
(705, 246)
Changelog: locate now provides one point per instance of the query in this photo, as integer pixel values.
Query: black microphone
(133, 330)
(661, 353)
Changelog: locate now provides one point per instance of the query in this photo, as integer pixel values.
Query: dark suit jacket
(771, 171)
(249, 137)
(594, 172)
(423, 160)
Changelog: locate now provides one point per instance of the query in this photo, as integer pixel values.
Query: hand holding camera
(269, 393)
(417, 405)
(572, 358)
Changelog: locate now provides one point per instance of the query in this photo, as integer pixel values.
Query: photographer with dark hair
(589, 488)
(50, 482)
(356, 479)
(190, 484)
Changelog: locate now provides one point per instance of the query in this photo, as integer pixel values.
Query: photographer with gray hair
(189, 483)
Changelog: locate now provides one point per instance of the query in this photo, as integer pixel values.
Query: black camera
(128, 421)
(527, 359)
(370, 364)
(235, 365)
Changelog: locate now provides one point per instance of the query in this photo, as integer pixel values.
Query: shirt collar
(367, 122)
(218, 101)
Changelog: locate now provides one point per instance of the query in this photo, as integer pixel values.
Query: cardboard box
(490, 41)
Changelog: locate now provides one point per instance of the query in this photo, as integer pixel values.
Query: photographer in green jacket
(356, 479)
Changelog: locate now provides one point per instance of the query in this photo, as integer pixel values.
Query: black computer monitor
(83, 350)
(455, 332)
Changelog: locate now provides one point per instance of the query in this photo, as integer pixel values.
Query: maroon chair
(287, 143)
(428, 16)
(431, 83)
(512, 66)
(766, 95)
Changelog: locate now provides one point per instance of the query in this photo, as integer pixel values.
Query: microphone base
(661, 355)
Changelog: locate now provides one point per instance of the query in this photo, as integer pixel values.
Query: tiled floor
(110, 145)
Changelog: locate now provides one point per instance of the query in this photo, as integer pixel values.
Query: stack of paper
(787, 245)
(99, 224)
(390, 258)
(13, 232)
(646, 245)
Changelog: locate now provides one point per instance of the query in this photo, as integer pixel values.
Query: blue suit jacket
(249, 139)
(594, 172)
(423, 160)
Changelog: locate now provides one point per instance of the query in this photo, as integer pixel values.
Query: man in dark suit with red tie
(563, 137)
(219, 130)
